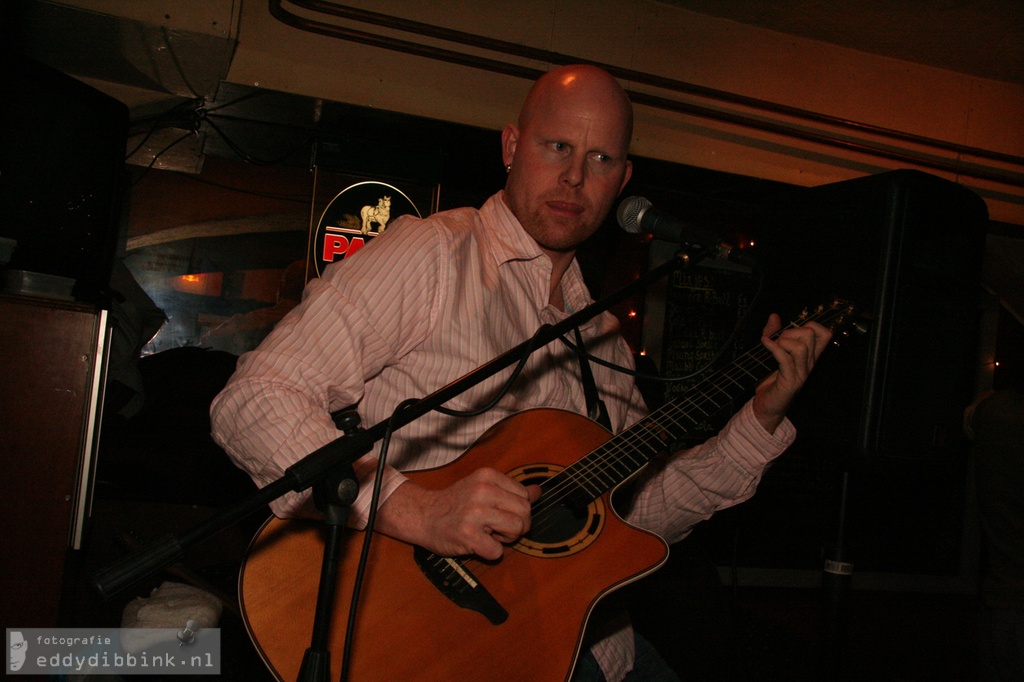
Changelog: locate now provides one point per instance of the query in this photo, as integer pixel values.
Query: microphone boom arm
(345, 450)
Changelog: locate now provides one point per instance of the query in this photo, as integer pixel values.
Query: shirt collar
(509, 241)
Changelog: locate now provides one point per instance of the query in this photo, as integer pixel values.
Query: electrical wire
(167, 115)
(645, 376)
(364, 555)
(381, 465)
(245, 156)
(159, 154)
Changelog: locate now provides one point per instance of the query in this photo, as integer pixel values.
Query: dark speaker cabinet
(907, 248)
(884, 412)
(51, 358)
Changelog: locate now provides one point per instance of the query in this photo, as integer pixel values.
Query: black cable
(371, 521)
(268, 195)
(157, 120)
(159, 154)
(491, 404)
(177, 64)
(671, 380)
(527, 352)
(245, 156)
(375, 493)
(241, 98)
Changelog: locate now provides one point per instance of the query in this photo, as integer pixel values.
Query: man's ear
(509, 138)
(626, 176)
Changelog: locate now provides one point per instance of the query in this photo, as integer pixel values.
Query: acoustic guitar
(427, 617)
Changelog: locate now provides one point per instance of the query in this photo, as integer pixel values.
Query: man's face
(568, 166)
(18, 651)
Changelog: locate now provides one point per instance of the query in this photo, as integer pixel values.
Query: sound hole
(556, 523)
(563, 523)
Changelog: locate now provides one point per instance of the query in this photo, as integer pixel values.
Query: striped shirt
(424, 304)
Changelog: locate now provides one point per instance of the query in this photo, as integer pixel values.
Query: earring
(508, 167)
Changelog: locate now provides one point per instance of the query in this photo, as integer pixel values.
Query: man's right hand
(475, 515)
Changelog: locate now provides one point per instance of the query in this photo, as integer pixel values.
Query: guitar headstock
(841, 317)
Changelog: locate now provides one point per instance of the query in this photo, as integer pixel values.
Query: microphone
(636, 215)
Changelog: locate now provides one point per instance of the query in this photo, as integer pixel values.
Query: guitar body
(406, 627)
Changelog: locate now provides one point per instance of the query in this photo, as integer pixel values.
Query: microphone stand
(328, 471)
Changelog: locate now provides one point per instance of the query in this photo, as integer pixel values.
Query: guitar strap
(596, 409)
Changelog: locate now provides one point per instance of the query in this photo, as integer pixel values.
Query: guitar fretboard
(625, 454)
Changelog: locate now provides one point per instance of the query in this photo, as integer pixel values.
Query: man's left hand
(795, 350)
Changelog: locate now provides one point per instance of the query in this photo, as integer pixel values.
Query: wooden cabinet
(52, 356)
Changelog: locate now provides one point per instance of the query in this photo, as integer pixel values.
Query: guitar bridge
(455, 581)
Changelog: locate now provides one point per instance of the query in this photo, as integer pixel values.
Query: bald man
(433, 299)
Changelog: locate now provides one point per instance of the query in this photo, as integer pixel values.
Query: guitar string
(596, 473)
(602, 460)
(705, 397)
(568, 480)
(627, 442)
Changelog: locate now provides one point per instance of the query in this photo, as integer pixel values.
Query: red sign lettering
(338, 245)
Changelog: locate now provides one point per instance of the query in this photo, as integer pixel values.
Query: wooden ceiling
(978, 37)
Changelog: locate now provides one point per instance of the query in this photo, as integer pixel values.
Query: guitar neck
(625, 454)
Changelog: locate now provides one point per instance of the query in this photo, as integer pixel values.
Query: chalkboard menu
(699, 314)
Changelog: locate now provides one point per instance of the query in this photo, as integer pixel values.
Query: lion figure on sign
(379, 214)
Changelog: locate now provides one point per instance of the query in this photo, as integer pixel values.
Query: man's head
(18, 651)
(568, 156)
